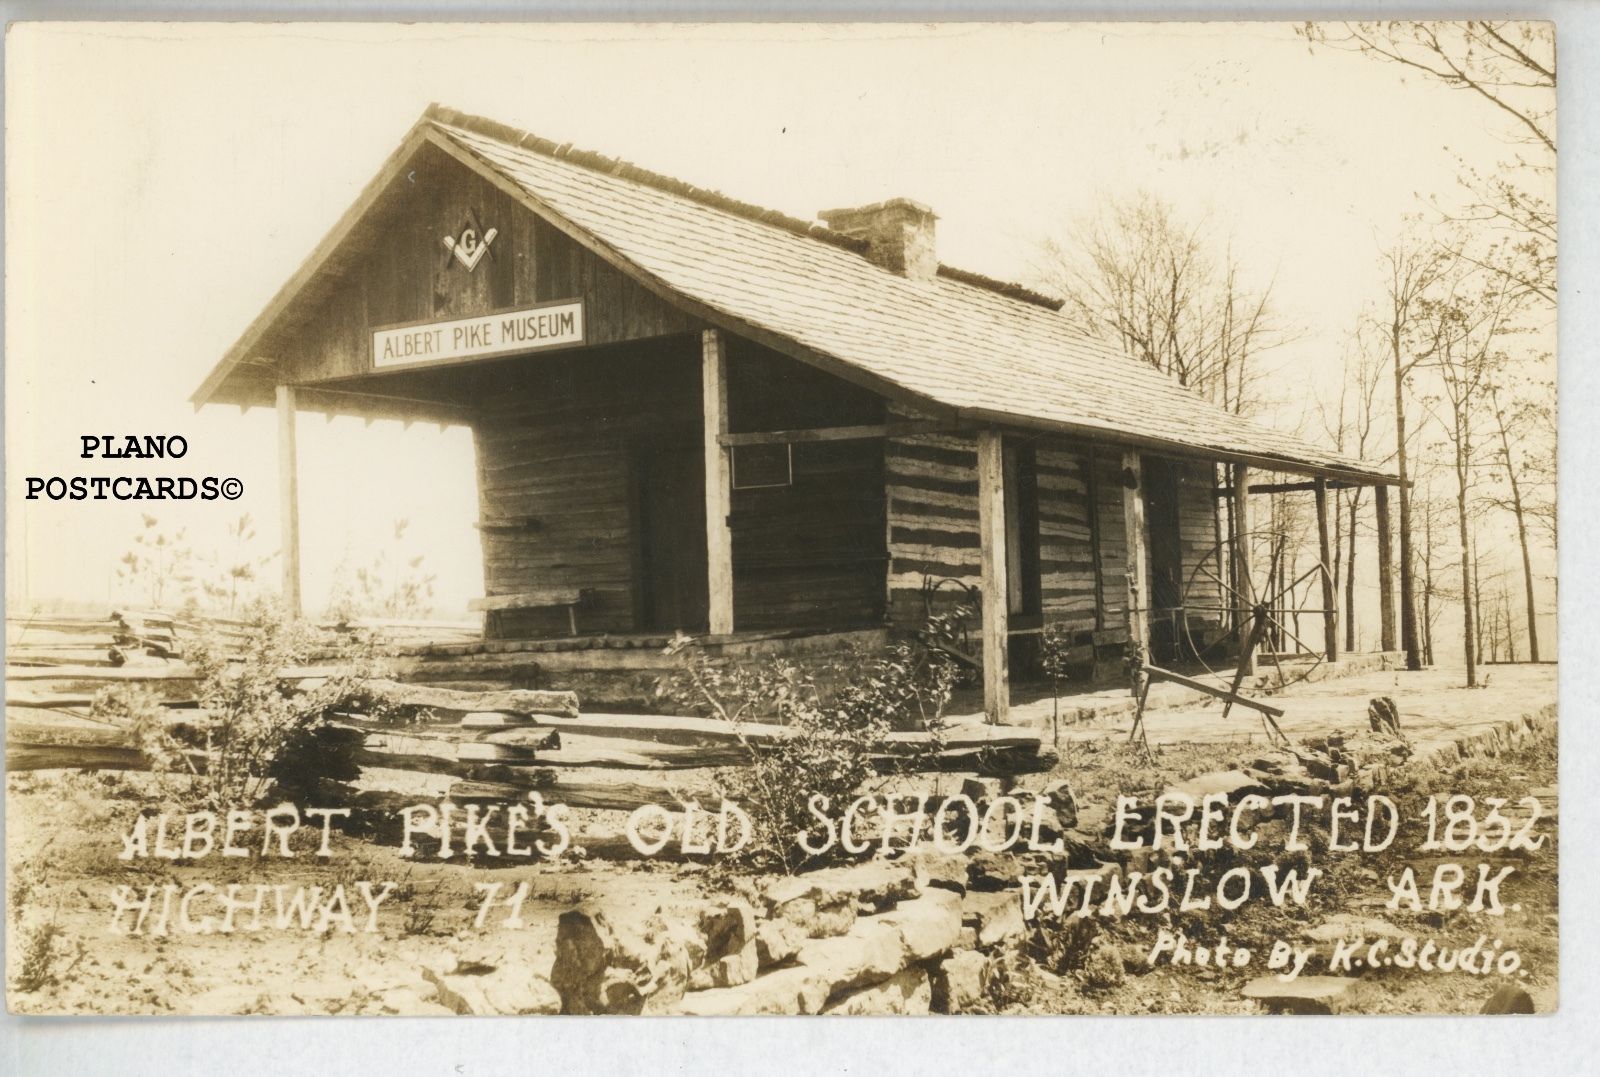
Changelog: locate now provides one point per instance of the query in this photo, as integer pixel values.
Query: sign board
(551, 325)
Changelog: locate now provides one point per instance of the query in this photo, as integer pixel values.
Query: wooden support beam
(839, 433)
(1287, 487)
(1138, 557)
(1385, 570)
(1091, 476)
(289, 500)
(1243, 569)
(1330, 609)
(992, 546)
(719, 482)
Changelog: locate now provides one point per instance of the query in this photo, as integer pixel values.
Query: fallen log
(518, 701)
(714, 732)
(588, 791)
(33, 744)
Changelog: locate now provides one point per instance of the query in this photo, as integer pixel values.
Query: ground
(1354, 887)
(64, 833)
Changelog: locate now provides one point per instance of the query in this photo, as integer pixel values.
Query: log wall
(933, 527)
(558, 507)
(554, 462)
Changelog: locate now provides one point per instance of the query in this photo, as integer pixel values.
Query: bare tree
(1167, 292)
(1352, 426)
(1511, 68)
(1519, 512)
(1467, 320)
(1413, 267)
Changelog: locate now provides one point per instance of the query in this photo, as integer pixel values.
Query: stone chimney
(898, 233)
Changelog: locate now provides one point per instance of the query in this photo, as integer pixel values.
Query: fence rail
(490, 743)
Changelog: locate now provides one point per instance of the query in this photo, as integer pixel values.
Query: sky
(165, 180)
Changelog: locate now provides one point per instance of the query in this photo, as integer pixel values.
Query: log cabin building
(695, 414)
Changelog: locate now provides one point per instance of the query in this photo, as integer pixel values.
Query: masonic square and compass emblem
(470, 243)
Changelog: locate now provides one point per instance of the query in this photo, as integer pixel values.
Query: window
(759, 466)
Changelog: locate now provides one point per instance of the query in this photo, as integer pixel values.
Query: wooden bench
(549, 598)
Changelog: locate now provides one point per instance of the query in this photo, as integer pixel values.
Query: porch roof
(959, 344)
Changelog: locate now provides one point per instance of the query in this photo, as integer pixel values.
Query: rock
(1232, 783)
(959, 981)
(727, 971)
(1063, 802)
(604, 967)
(1304, 994)
(929, 925)
(486, 990)
(878, 883)
(907, 991)
(779, 940)
(786, 991)
(996, 916)
(991, 871)
(1345, 926)
(1509, 999)
(817, 921)
(947, 871)
(410, 999)
(731, 957)
(968, 939)
(869, 953)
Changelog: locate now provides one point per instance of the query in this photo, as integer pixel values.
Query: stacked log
(424, 742)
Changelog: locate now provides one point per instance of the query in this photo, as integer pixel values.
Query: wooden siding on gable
(399, 272)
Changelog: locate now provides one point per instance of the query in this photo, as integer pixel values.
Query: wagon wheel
(1259, 611)
(949, 634)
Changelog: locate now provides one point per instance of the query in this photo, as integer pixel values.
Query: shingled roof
(986, 350)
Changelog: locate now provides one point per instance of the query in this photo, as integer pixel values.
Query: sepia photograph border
(1559, 1043)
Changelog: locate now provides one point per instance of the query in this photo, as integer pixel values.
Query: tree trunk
(1386, 641)
(1427, 584)
(1477, 597)
(1469, 628)
(1350, 578)
(1408, 608)
(1522, 538)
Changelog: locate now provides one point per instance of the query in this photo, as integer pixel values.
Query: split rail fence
(433, 742)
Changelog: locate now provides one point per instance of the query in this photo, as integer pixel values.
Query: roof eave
(1266, 461)
(420, 133)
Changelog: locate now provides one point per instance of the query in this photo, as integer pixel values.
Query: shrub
(837, 713)
(254, 731)
(35, 970)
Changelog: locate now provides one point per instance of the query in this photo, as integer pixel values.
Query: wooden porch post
(1330, 608)
(992, 546)
(1380, 496)
(1243, 571)
(1138, 558)
(289, 501)
(719, 482)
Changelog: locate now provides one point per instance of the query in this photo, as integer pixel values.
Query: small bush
(254, 731)
(38, 957)
(837, 713)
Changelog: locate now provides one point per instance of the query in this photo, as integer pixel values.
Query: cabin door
(670, 529)
(1166, 555)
